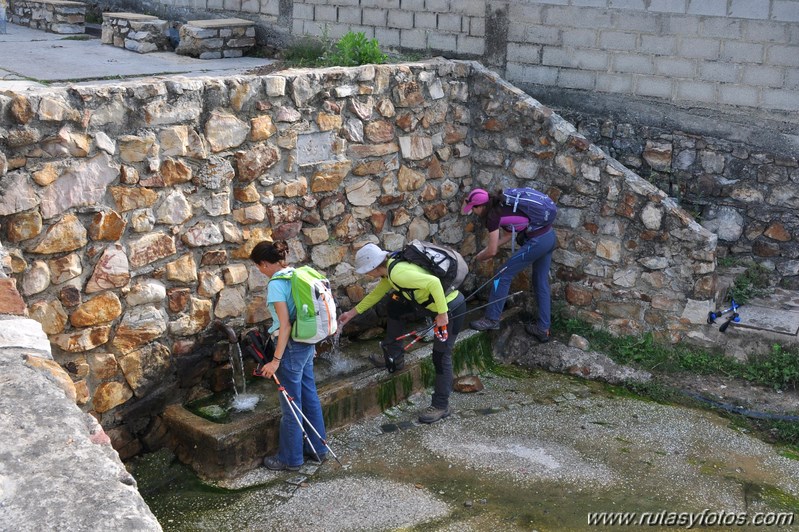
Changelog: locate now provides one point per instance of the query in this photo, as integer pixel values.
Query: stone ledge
(136, 32)
(59, 469)
(216, 38)
(54, 16)
(129, 16)
(220, 23)
(63, 3)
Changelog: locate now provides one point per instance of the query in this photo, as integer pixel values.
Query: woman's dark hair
(495, 200)
(271, 252)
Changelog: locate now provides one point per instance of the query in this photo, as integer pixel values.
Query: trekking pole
(476, 290)
(296, 407)
(485, 305)
(421, 334)
(734, 317)
(713, 315)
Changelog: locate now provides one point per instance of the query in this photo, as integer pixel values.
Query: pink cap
(475, 198)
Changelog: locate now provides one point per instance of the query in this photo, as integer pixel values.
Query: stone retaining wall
(129, 211)
(59, 469)
(215, 39)
(138, 33)
(747, 194)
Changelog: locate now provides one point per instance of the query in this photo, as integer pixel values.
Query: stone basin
(225, 450)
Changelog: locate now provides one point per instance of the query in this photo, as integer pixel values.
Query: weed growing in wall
(754, 282)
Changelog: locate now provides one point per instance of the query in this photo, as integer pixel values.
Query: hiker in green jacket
(413, 293)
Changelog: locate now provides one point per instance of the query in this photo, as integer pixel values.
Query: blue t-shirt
(279, 290)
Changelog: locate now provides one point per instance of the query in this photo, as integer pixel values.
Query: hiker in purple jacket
(531, 226)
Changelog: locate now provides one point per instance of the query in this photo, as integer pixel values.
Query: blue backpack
(536, 206)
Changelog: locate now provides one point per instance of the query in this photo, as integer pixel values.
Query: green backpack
(316, 308)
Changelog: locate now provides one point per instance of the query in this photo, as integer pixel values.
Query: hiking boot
(484, 324)
(432, 414)
(377, 360)
(395, 363)
(273, 464)
(540, 335)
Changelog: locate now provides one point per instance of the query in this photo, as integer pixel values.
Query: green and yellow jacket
(413, 281)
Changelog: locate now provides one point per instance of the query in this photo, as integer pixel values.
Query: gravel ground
(526, 453)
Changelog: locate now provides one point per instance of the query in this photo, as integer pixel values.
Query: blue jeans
(538, 253)
(296, 375)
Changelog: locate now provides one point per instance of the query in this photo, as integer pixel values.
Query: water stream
(241, 402)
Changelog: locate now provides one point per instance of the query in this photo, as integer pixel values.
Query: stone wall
(628, 258)
(50, 447)
(745, 193)
(128, 212)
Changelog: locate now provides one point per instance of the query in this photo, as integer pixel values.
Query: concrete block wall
(731, 52)
(442, 26)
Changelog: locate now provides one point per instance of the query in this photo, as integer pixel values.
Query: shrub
(355, 49)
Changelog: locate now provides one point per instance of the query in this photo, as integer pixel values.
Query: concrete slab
(768, 319)
(34, 58)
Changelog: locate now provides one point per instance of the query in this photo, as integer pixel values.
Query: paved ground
(33, 58)
(533, 451)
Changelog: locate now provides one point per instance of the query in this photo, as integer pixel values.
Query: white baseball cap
(368, 258)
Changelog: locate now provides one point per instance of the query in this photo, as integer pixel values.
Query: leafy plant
(779, 369)
(355, 49)
(728, 261)
(754, 282)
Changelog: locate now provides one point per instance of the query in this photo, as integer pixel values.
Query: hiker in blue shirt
(292, 363)
(536, 244)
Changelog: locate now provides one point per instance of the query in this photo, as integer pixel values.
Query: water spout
(231, 334)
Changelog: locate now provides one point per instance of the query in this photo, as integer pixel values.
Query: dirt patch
(267, 69)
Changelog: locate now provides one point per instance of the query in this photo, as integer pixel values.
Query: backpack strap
(408, 293)
(286, 274)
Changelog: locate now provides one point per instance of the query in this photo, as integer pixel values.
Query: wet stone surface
(533, 451)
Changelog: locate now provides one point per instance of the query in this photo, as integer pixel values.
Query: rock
(467, 384)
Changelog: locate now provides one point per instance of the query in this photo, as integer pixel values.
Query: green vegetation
(754, 282)
(355, 49)
(308, 52)
(473, 354)
(352, 49)
(728, 262)
(778, 370)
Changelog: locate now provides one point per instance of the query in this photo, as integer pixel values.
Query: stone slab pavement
(35, 58)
